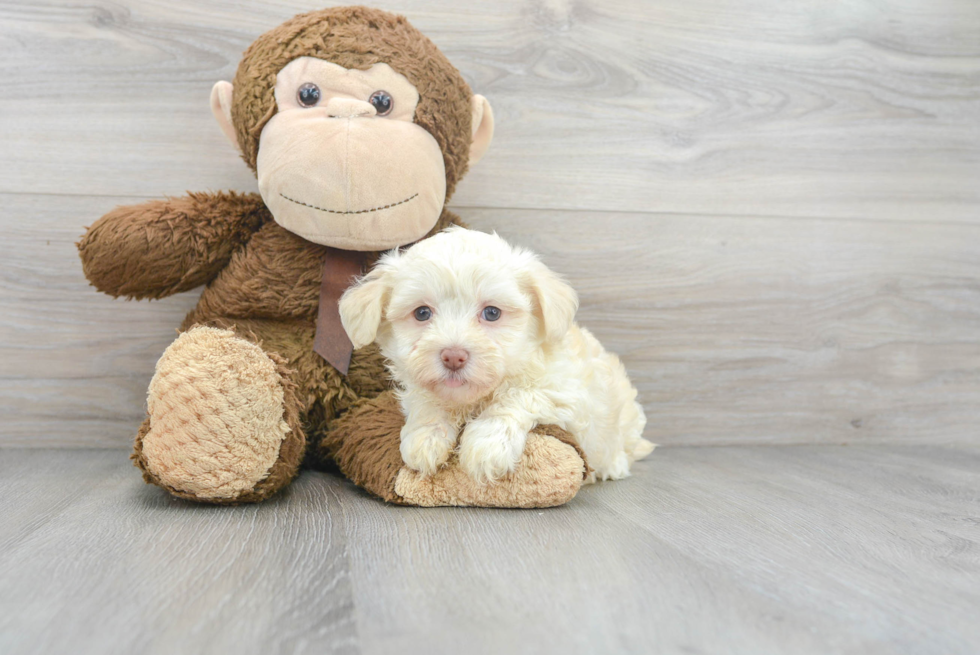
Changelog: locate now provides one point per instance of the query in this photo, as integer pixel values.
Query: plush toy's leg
(223, 423)
(364, 443)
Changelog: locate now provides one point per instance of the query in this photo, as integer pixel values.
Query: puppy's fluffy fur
(531, 365)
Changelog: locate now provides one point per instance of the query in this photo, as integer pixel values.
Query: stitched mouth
(359, 211)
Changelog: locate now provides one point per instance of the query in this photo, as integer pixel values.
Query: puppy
(480, 334)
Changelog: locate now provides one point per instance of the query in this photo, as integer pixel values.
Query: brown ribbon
(331, 342)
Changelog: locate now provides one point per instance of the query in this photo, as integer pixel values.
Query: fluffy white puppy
(479, 333)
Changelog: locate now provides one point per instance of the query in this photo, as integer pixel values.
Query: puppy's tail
(632, 420)
(642, 448)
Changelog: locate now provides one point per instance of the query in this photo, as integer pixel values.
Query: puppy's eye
(423, 313)
(308, 94)
(382, 101)
(491, 314)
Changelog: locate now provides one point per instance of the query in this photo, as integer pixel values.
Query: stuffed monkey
(358, 129)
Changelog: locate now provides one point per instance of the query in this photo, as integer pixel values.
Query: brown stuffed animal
(358, 129)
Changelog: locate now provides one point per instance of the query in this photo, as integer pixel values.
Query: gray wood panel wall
(770, 209)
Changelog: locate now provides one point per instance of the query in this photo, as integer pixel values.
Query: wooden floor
(749, 549)
(771, 211)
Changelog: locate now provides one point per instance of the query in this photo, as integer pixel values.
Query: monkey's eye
(491, 313)
(423, 313)
(382, 101)
(308, 94)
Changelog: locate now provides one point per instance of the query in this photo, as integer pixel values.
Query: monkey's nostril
(454, 358)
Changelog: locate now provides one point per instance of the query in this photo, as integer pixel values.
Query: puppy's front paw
(426, 447)
(491, 448)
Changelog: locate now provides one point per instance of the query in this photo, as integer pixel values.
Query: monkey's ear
(482, 128)
(362, 306)
(221, 94)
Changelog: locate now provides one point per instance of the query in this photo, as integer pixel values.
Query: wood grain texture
(760, 330)
(811, 549)
(771, 330)
(859, 110)
(94, 561)
(74, 364)
(770, 209)
(818, 283)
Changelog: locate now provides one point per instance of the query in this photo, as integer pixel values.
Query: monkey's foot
(218, 428)
(365, 445)
(549, 473)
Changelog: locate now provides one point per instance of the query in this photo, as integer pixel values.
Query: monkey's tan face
(342, 164)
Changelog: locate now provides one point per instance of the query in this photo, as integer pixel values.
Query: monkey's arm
(159, 248)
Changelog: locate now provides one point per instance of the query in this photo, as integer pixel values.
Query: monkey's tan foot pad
(550, 473)
(216, 417)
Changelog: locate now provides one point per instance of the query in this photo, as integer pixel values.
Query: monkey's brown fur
(262, 281)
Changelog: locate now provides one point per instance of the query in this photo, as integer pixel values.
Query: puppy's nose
(454, 358)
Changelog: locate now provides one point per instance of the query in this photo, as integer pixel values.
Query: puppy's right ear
(362, 305)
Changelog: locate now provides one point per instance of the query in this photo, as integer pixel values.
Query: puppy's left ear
(362, 306)
(556, 300)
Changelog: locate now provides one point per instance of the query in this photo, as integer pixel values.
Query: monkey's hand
(159, 248)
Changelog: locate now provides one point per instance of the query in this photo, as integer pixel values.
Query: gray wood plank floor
(810, 549)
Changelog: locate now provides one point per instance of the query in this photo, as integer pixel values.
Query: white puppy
(479, 333)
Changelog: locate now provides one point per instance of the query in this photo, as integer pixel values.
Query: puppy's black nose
(454, 358)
